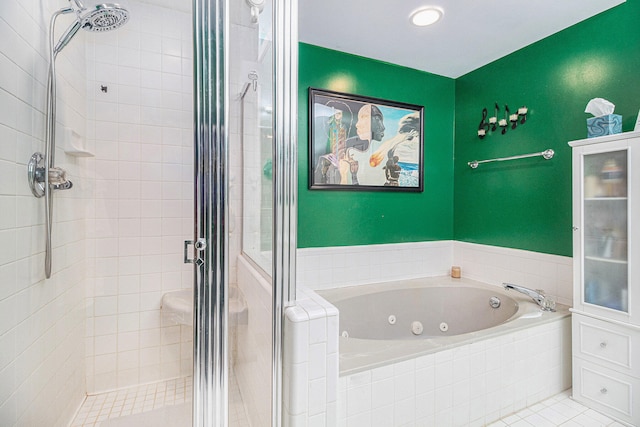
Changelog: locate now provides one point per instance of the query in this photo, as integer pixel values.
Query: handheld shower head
(103, 17)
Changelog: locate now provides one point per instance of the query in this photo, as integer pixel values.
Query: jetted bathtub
(390, 322)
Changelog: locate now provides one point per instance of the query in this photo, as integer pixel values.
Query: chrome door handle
(199, 245)
(185, 253)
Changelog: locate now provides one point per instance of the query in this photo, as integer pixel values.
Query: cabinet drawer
(606, 343)
(607, 391)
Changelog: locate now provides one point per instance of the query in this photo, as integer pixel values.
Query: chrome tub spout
(537, 295)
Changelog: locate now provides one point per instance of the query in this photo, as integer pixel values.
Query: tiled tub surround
(525, 365)
(462, 304)
(495, 265)
(469, 385)
(310, 359)
(332, 267)
(468, 379)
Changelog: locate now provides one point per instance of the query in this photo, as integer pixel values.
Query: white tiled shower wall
(139, 103)
(41, 321)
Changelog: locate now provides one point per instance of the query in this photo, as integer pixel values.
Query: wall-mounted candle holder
(522, 113)
(493, 121)
(491, 124)
(483, 127)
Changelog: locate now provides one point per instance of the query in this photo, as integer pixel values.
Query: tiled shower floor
(148, 398)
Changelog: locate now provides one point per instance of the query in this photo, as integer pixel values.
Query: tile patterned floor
(132, 400)
(559, 410)
(148, 397)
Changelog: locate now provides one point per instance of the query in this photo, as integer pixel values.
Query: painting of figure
(363, 143)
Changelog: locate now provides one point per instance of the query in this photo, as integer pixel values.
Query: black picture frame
(360, 143)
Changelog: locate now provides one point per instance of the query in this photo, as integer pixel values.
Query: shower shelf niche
(74, 143)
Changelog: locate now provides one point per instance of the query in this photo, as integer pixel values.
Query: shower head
(103, 17)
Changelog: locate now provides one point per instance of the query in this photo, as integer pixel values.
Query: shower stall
(177, 130)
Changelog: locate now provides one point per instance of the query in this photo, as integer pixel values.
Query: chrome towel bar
(547, 154)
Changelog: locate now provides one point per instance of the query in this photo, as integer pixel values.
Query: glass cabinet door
(605, 239)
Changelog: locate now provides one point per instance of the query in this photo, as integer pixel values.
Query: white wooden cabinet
(606, 275)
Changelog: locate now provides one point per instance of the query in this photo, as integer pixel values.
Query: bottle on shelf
(612, 175)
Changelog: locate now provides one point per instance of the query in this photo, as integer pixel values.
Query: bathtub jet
(537, 295)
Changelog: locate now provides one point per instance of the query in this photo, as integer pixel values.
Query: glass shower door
(235, 42)
(242, 50)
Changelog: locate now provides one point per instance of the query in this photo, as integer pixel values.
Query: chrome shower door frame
(211, 198)
(285, 184)
(210, 329)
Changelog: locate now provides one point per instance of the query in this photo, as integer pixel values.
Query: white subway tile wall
(495, 265)
(41, 321)
(310, 371)
(473, 384)
(323, 268)
(139, 102)
(331, 267)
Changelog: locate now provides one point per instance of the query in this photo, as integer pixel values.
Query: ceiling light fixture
(426, 16)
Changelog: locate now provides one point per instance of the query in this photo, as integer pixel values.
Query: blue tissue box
(604, 125)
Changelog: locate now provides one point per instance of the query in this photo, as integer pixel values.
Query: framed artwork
(362, 143)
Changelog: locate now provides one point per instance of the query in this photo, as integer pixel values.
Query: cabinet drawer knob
(603, 344)
(603, 390)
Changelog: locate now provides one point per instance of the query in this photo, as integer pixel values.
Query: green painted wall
(526, 204)
(523, 204)
(342, 218)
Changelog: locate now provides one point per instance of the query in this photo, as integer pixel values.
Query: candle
(455, 272)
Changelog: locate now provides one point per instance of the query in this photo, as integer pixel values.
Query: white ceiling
(471, 34)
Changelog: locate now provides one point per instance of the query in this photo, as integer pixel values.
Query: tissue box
(604, 125)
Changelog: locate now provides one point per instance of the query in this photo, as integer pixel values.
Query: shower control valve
(36, 174)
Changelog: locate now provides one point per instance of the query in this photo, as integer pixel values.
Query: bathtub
(435, 352)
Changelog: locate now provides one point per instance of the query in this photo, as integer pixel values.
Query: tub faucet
(537, 295)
